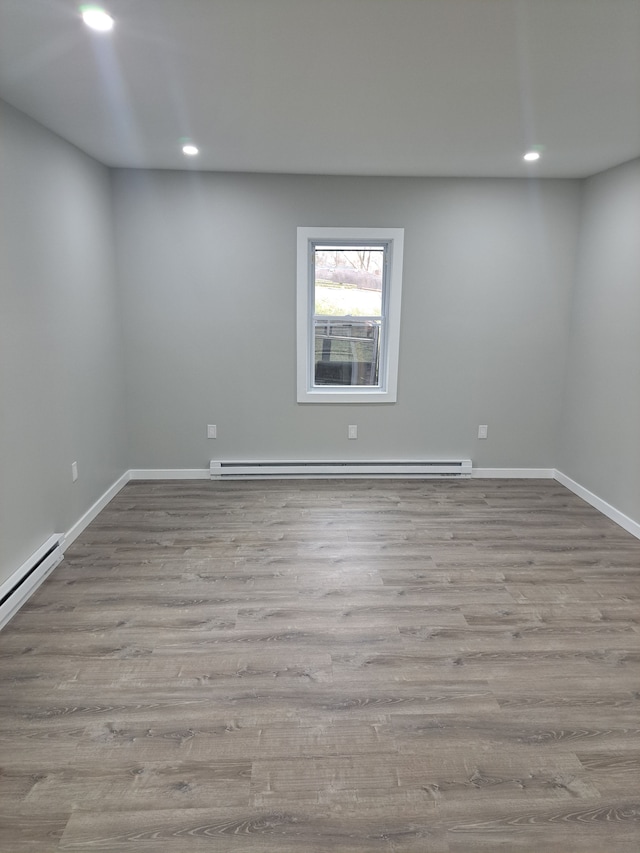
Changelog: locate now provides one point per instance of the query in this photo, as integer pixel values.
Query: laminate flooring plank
(22, 830)
(91, 619)
(614, 774)
(332, 739)
(419, 734)
(351, 666)
(459, 776)
(183, 784)
(526, 636)
(599, 827)
(389, 616)
(319, 830)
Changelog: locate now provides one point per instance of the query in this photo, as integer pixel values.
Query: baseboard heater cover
(401, 468)
(23, 582)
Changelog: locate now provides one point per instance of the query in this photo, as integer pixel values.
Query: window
(349, 289)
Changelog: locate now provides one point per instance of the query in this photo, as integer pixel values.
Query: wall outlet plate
(212, 431)
(353, 431)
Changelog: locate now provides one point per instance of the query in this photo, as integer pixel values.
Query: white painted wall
(61, 388)
(600, 434)
(207, 268)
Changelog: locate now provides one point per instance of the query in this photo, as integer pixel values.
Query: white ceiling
(362, 87)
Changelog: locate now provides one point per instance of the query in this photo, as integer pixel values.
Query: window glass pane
(347, 352)
(348, 280)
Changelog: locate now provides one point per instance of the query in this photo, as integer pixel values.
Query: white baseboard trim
(169, 474)
(514, 473)
(72, 534)
(602, 506)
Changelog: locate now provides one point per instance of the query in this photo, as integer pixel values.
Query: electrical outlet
(353, 431)
(483, 431)
(212, 431)
(74, 471)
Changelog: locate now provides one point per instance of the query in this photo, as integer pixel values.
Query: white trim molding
(628, 524)
(84, 521)
(513, 473)
(393, 241)
(169, 474)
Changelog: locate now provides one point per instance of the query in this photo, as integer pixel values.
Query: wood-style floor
(326, 666)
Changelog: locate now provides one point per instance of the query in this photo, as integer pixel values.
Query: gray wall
(600, 435)
(61, 388)
(207, 268)
(204, 318)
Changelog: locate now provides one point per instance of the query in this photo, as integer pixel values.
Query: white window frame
(387, 390)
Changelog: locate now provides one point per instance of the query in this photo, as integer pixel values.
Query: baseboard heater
(240, 470)
(23, 582)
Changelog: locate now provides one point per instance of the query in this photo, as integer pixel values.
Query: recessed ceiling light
(189, 150)
(530, 156)
(96, 18)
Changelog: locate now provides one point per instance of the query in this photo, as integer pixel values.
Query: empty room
(320, 426)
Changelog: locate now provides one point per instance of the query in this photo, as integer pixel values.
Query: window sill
(365, 395)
